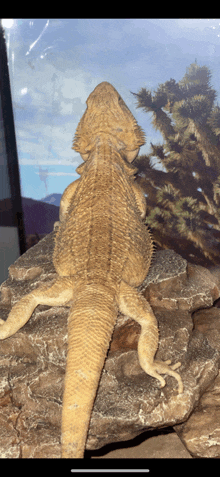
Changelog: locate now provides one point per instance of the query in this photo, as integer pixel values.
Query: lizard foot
(162, 367)
(133, 304)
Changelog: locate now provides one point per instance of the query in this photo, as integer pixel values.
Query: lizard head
(107, 118)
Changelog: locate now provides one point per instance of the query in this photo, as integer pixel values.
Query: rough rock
(162, 446)
(201, 432)
(128, 401)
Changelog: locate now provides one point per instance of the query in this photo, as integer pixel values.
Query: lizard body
(102, 254)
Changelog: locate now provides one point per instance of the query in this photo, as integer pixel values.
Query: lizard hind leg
(133, 304)
(58, 294)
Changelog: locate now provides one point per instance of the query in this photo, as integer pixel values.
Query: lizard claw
(162, 367)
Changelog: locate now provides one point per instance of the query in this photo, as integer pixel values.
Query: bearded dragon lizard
(102, 254)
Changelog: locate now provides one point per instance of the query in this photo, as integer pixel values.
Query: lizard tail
(90, 326)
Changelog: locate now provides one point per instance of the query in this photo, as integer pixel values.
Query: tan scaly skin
(102, 254)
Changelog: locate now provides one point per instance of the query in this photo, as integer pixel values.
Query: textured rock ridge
(128, 402)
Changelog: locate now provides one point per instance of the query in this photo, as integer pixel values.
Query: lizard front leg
(60, 293)
(133, 304)
(65, 201)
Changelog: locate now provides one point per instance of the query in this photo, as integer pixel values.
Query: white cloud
(66, 108)
(43, 137)
(50, 162)
(48, 106)
(47, 173)
(23, 91)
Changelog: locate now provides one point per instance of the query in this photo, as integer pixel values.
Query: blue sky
(54, 65)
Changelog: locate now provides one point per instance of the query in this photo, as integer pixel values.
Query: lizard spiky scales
(102, 254)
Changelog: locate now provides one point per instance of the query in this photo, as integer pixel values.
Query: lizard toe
(162, 367)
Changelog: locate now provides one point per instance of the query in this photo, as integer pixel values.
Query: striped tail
(90, 326)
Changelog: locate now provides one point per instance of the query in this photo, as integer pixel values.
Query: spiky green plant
(183, 199)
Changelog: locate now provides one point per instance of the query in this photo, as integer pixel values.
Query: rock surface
(128, 402)
(201, 432)
(162, 446)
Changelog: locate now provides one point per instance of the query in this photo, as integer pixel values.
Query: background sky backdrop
(55, 64)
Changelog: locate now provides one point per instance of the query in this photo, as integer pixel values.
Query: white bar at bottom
(113, 470)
